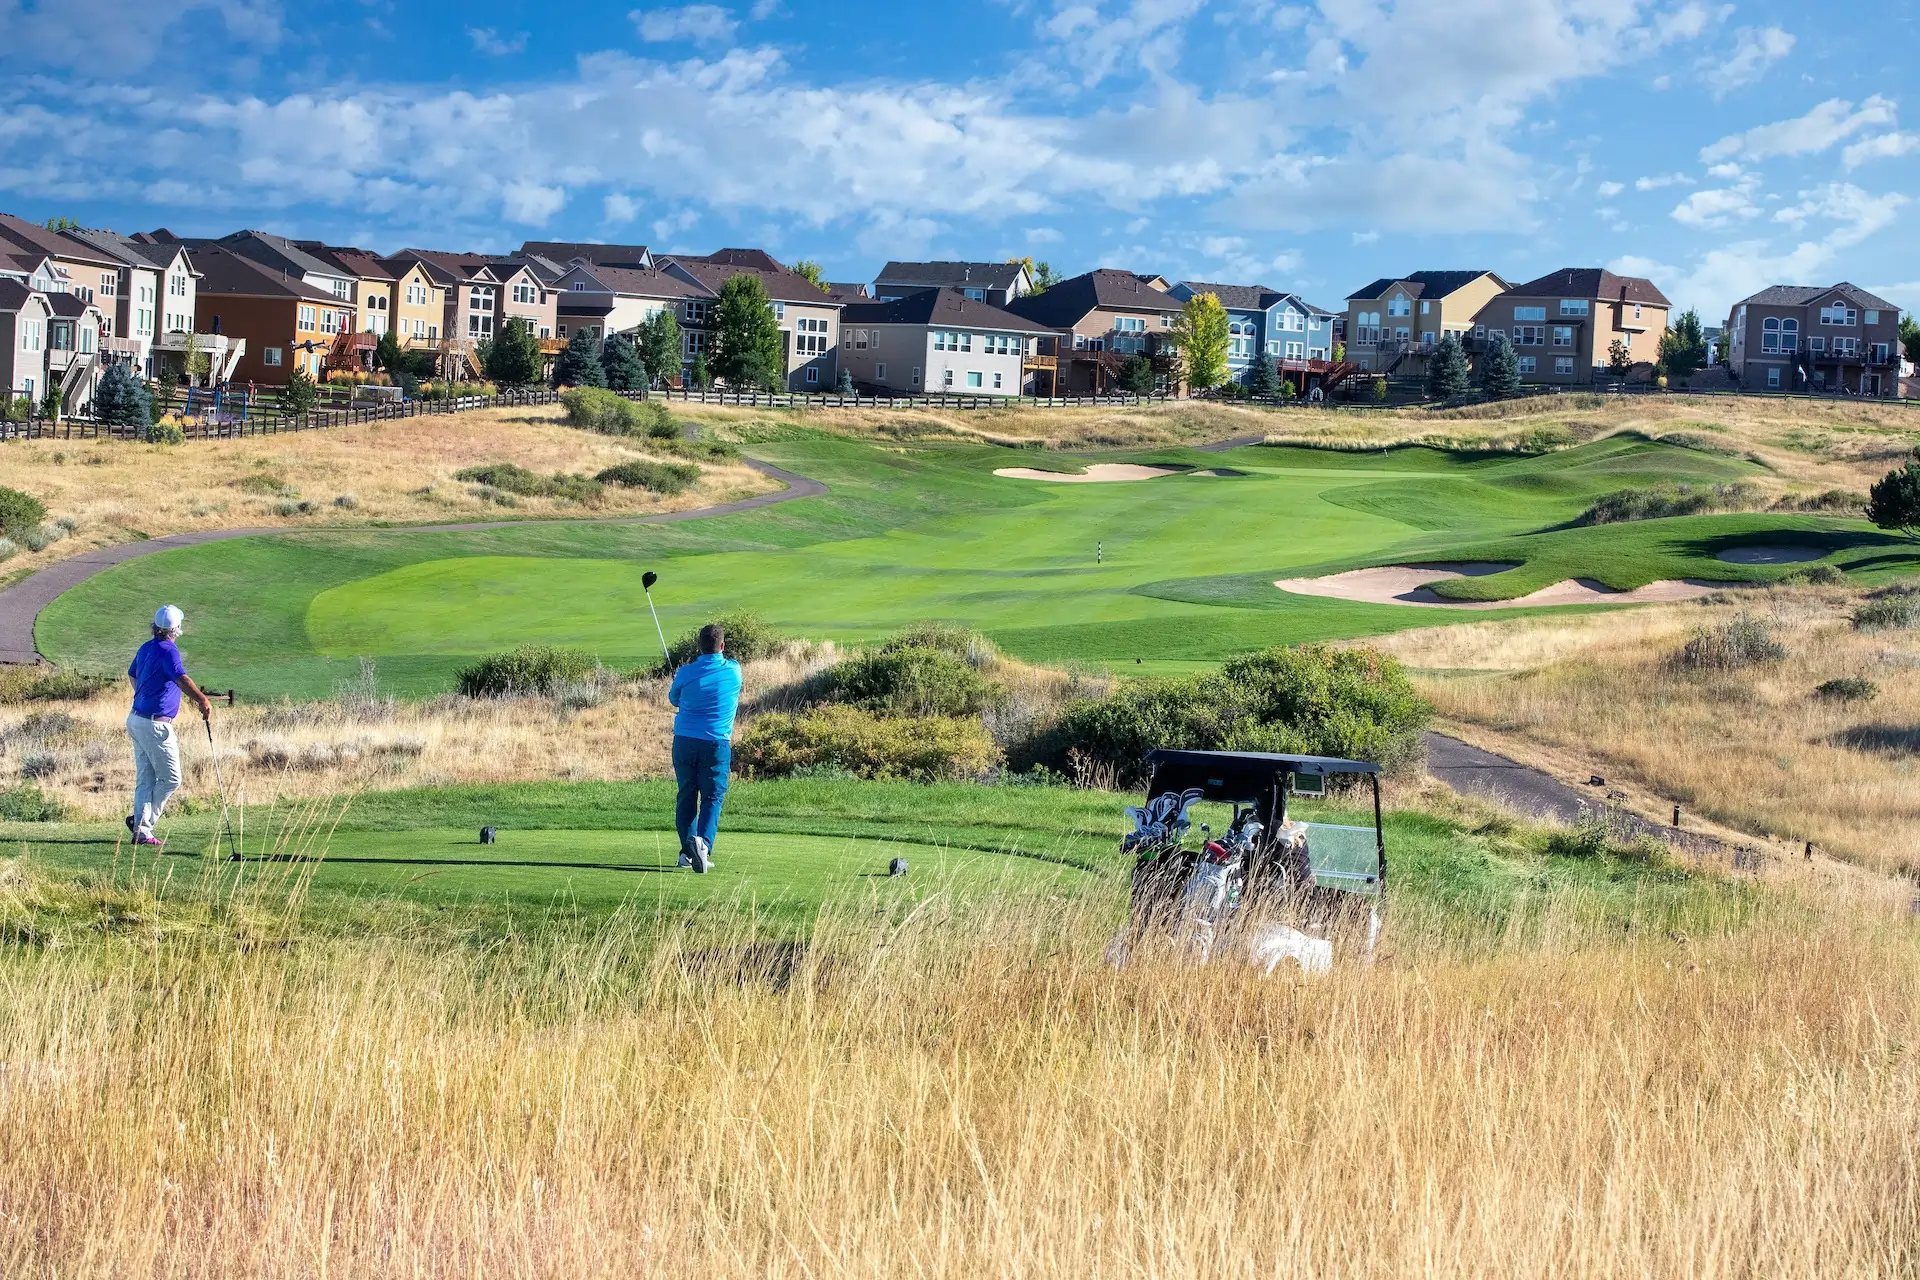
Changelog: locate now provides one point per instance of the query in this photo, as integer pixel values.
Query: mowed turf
(1165, 571)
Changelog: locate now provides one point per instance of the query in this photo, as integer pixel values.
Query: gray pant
(156, 768)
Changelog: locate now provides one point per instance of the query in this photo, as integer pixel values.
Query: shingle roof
(755, 259)
(456, 267)
(847, 292)
(1421, 284)
(565, 251)
(1591, 282)
(644, 284)
(70, 305)
(1240, 297)
(143, 253)
(781, 285)
(14, 295)
(1066, 303)
(938, 306)
(223, 271)
(977, 275)
(276, 252)
(363, 263)
(1798, 295)
(35, 238)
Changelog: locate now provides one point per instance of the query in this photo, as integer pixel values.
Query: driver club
(647, 580)
(213, 752)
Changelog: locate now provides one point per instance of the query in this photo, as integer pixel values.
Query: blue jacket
(706, 693)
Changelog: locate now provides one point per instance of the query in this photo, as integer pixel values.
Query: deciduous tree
(1910, 338)
(1619, 358)
(660, 346)
(747, 348)
(809, 270)
(1200, 332)
(701, 375)
(1683, 347)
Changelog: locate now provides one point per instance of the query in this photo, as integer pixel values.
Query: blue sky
(1715, 147)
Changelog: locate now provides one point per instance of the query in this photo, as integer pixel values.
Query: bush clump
(19, 685)
(967, 645)
(910, 680)
(1817, 575)
(1677, 500)
(27, 803)
(533, 668)
(19, 511)
(508, 478)
(1890, 610)
(613, 414)
(666, 478)
(1310, 700)
(749, 638)
(1745, 641)
(846, 739)
(1848, 689)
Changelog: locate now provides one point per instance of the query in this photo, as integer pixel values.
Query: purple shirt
(154, 670)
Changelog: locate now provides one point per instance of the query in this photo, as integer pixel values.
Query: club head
(647, 580)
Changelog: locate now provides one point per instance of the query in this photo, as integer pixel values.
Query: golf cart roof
(1239, 777)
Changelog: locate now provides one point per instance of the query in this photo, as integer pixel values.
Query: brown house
(809, 318)
(1564, 325)
(285, 322)
(91, 273)
(1837, 338)
(1100, 320)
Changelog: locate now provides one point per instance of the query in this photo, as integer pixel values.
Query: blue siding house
(1282, 327)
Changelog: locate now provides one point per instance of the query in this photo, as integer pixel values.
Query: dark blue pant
(701, 768)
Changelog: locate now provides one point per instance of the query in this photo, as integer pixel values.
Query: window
(433, 333)
(1426, 306)
(1573, 306)
(271, 356)
(880, 372)
(779, 311)
(1528, 364)
(696, 311)
(813, 373)
(525, 293)
(1636, 311)
(973, 378)
(1400, 333)
(1529, 313)
(1839, 315)
(946, 378)
(1817, 345)
(1166, 320)
(1273, 346)
(176, 286)
(1563, 335)
(1529, 335)
(330, 320)
(27, 386)
(812, 338)
(696, 343)
(1296, 350)
(859, 339)
(1846, 346)
(1426, 337)
(376, 323)
(482, 301)
(416, 295)
(1770, 334)
(342, 289)
(996, 382)
(966, 342)
(1773, 377)
(563, 331)
(110, 286)
(1316, 353)
(977, 295)
(1563, 364)
(916, 375)
(305, 319)
(479, 326)
(1399, 305)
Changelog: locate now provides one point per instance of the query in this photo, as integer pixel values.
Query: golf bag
(1161, 864)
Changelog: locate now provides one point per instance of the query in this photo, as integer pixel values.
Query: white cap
(168, 617)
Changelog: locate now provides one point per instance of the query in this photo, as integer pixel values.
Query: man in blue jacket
(159, 677)
(705, 693)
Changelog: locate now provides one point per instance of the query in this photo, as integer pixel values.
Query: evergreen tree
(579, 364)
(512, 358)
(1909, 338)
(301, 395)
(846, 382)
(702, 377)
(1500, 369)
(120, 400)
(747, 347)
(1894, 502)
(1619, 358)
(660, 346)
(1262, 380)
(1136, 375)
(1201, 334)
(387, 353)
(1683, 347)
(1448, 375)
(620, 362)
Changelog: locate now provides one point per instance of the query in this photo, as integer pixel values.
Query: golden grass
(960, 1092)
(397, 472)
(1752, 749)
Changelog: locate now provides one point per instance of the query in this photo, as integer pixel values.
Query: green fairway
(927, 531)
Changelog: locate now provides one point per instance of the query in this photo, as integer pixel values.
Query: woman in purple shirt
(159, 678)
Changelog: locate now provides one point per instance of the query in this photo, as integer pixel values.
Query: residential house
(494, 289)
(373, 284)
(419, 302)
(1563, 325)
(1816, 338)
(24, 313)
(273, 322)
(937, 340)
(155, 304)
(847, 293)
(277, 253)
(1393, 324)
(564, 253)
(1283, 328)
(809, 318)
(603, 300)
(76, 354)
(1099, 321)
(33, 269)
(995, 282)
(88, 271)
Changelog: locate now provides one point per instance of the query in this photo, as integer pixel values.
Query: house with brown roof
(938, 340)
(1837, 338)
(808, 316)
(373, 282)
(605, 300)
(996, 282)
(76, 349)
(1394, 323)
(1099, 321)
(268, 322)
(1564, 324)
(24, 313)
(88, 271)
(564, 253)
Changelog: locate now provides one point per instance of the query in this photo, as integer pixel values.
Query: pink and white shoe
(148, 842)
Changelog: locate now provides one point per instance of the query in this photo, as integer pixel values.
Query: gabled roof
(1238, 297)
(460, 268)
(35, 238)
(138, 253)
(634, 283)
(1797, 295)
(959, 275)
(756, 259)
(781, 284)
(276, 252)
(71, 306)
(27, 262)
(1065, 304)
(223, 271)
(938, 307)
(362, 263)
(545, 270)
(1591, 282)
(1422, 284)
(562, 252)
(847, 292)
(14, 295)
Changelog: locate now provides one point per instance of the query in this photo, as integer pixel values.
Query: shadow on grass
(1882, 739)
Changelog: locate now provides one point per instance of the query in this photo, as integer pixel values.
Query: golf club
(647, 580)
(213, 752)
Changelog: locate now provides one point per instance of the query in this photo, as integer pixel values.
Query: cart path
(22, 603)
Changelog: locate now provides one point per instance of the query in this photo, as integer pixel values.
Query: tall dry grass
(1755, 748)
(954, 1090)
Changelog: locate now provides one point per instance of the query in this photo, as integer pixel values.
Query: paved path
(22, 603)
(1238, 442)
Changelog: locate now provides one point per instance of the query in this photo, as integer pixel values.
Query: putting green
(1176, 570)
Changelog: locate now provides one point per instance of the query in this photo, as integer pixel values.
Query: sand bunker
(1771, 553)
(1098, 473)
(1409, 584)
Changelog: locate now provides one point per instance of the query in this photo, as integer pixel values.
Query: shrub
(19, 511)
(293, 507)
(42, 536)
(1311, 700)
(508, 478)
(25, 803)
(859, 742)
(1660, 503)
(165, 429)
(602, 411)
(347, 502)
(533, 668)
(37, 684)
(910, 680)
(1817, 575)
(657, 477)
(1887, 612)
(748, 638)
(39, 764)
(969, 646)
(1739, 642)
(1848, 689)
(8, 549)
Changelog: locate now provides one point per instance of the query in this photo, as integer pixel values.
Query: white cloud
(619, 207)
(1754, 50)
(1101, 38)
(1041, 235)
(1717, 206)
(95, 36)
(1826, 125)
(1724, 171)
(700, 23)
(530, 203)
(1883, 146)
(1608, 190)
(1655, 183)
(1366, 237)
(490, 42)
(763, 9)
(1860, 213)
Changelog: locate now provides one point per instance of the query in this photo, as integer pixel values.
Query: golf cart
(1270, 887)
